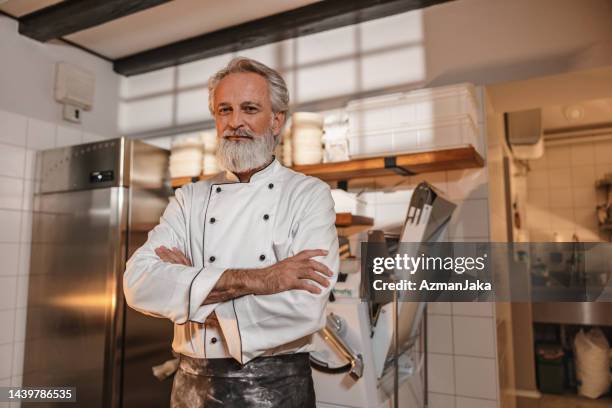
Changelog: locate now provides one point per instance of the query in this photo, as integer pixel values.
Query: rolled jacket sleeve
(157, 288)
(253, 324)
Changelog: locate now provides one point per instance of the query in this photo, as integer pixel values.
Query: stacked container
(209, 157)
(186, 157)
(306, 135)
(420, 120)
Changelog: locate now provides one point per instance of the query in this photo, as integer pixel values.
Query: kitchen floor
(573, 401)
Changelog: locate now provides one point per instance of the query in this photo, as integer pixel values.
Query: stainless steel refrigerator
(93, 208)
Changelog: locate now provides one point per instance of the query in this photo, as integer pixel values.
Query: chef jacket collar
(258, 175)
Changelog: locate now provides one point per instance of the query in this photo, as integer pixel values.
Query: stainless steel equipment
(95, 206)
(372, 347)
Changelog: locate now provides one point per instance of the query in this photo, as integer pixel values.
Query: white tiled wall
(561, 194)
(462, 355)
(20, 138)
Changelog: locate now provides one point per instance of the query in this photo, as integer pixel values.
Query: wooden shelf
(349, 224)
(403, 164)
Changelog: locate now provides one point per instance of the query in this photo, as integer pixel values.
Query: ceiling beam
(314, 18)
(70, 16)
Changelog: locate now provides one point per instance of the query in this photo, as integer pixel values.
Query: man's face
(242, 101)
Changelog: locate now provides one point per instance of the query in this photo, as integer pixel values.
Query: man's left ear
(278, 121)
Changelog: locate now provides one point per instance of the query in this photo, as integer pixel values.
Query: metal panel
(584, 313)
(147, 340)
(84, 167)
(72, 288)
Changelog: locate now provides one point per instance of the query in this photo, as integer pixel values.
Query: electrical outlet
(72, 114)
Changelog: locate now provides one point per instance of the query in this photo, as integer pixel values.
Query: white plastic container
(186, 157)
(306, 135)
(345, 202)
(441, 134)
(419, 120)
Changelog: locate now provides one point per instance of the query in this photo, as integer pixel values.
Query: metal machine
(94, 208)
(372, 354)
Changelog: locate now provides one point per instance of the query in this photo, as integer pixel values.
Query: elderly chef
(242, 263)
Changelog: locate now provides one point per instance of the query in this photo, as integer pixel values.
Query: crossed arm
(290, 273)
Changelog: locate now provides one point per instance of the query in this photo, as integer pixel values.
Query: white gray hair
(279, 94)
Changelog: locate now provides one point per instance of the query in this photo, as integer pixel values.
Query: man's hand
(173, 255)
(293, 273)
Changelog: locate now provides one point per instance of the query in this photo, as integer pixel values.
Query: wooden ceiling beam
(71, 16)
(310, 19)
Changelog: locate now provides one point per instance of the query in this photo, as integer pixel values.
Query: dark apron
(283, 381)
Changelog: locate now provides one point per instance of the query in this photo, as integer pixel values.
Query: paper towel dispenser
(524, 133)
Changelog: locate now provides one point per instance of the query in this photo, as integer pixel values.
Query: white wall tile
(476, 377)
(582, 154)
(560, 177)
(20, 323)
(197, 73)
(539, 164)
(467, 184)
(68, 136)
(603, 152)
(562, 219)
(11, 226)
(585, 217)
(380, 70)
(26, 227)
(266, 54)
(314, 48)
(601, 169)
(584, 175)
(22, 291)
(439, 334)
(441, 400)
(558, 157)
(91, 137)
(18, 354)
(388, 215)
(538, 197)
(338, 78)
(440, 373)
(9, 254)
(151, 113)
(6, 360)
(24, 258)
(16, 381)
(400, 30)
(192, 106)
(560, 197)
(12, 161)
(11, 193)
(441, 308)
(30, 164)
(41, 134)
(470, 219)
(7, 322)
(28, 195)
(474, 336)
(149, 83)
(13, 128)
(537, 179)
(463, 402)
(584, 197)
(8, 292)
(472, 308)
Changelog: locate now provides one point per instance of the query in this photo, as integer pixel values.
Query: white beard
(240, 156)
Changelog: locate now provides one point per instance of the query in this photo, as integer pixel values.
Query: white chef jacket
(222, 223)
